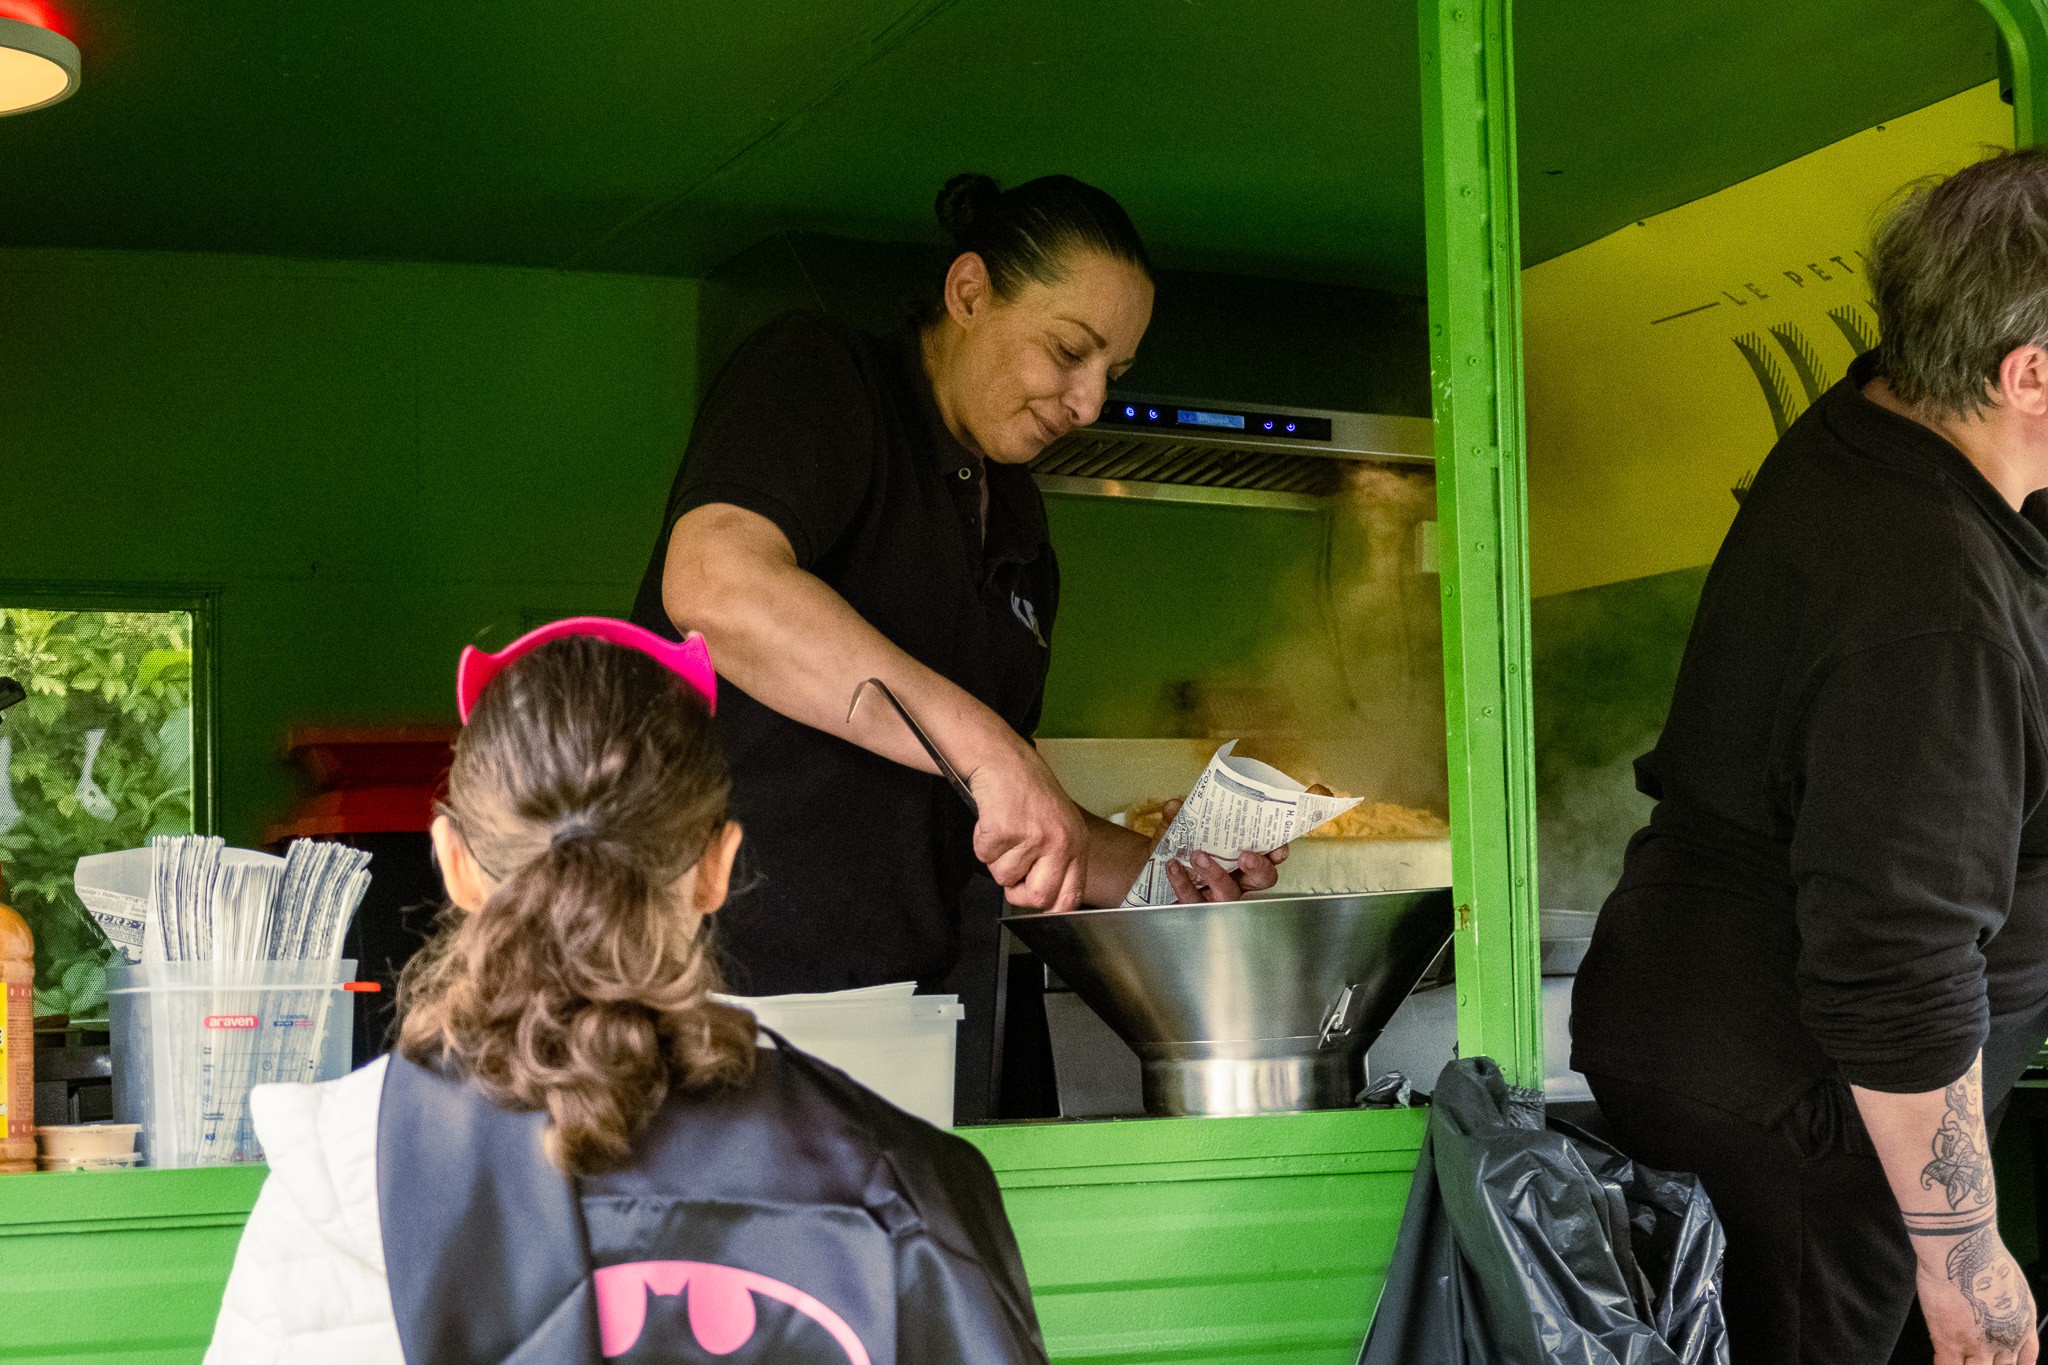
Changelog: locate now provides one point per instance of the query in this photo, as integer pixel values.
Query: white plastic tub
(895, 1043)
(86, 1141)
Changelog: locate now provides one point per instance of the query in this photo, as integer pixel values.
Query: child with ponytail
(577, 1154)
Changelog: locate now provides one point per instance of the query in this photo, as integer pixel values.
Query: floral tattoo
(1961, 1166)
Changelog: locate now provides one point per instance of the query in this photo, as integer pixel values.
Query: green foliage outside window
(128, 674)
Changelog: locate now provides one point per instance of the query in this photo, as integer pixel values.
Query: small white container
(85, 1141)
(897, 1044)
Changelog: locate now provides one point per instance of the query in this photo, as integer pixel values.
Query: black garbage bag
(1533, 1243)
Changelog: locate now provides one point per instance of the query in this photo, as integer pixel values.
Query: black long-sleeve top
(1846, 874)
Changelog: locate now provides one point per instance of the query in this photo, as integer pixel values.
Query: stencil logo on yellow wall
(1663, 360)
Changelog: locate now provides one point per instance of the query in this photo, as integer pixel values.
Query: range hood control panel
(1167, 416)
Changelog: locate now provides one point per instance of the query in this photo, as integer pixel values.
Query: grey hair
(1959, 274)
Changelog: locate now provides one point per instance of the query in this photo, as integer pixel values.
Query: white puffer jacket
(308, 1284)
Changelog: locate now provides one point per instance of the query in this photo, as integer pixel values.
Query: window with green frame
(106, 751)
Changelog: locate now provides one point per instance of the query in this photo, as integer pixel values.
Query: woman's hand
(1975, 1299)
(1031, 835)
(1202, 878)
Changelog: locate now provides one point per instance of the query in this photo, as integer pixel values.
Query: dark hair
(1959, 274)
(1024, 234)
(587, 783)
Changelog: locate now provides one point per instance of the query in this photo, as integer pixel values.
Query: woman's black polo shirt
(857, 863)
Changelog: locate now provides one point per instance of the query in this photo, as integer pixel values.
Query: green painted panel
(2024, 26)
(35, 1205)
(126, 1266)
(1475, 357)
(375, 465)
(1199, 1240)
(1270, 136)
(1219, 126)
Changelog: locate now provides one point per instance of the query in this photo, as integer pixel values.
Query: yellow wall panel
(1663, 359)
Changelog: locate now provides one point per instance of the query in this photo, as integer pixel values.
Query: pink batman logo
(721, 1305)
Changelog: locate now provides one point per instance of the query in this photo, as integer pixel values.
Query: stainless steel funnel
(1255, 1006)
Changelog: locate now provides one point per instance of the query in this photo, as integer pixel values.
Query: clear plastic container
(191, 1039)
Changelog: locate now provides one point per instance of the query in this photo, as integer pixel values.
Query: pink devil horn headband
(688, 658)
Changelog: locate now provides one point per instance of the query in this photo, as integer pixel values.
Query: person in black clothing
(856, 507)
(1827, 959)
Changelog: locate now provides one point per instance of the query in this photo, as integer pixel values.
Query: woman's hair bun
(1023, 234)
(964, 201)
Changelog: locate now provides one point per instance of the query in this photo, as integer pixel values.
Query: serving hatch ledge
(1184, 1239)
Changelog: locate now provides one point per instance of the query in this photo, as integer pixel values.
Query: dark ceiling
(1275, 137)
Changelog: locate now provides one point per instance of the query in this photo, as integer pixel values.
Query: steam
(1585, 818)
(1350, 691)
(1606, 661)
(1365, 686)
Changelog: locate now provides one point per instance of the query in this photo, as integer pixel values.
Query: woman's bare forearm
(1115, 857)
(789, 641)
(1937, 1159)
(785, 638)
(1935, 1154)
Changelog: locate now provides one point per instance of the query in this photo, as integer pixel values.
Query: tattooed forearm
(1981, 1268)
(1961, 1166)
(1950, 1206)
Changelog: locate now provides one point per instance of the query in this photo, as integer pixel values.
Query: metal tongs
(946, 769)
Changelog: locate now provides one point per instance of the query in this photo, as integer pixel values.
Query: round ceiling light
(37, 66)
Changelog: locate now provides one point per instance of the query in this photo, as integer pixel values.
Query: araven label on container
(233, 1021)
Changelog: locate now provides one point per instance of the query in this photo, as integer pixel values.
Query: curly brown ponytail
(586, 786)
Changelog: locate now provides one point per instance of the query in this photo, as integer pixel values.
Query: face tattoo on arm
(1990, 1282)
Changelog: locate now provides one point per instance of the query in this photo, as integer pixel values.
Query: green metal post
(2024, 26)
(1475, 352)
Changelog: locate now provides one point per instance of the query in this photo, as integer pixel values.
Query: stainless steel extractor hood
(1184, 450)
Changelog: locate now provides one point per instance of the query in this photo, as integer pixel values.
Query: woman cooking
(855, 507)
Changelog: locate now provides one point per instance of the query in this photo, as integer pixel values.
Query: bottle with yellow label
(17, 1044)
